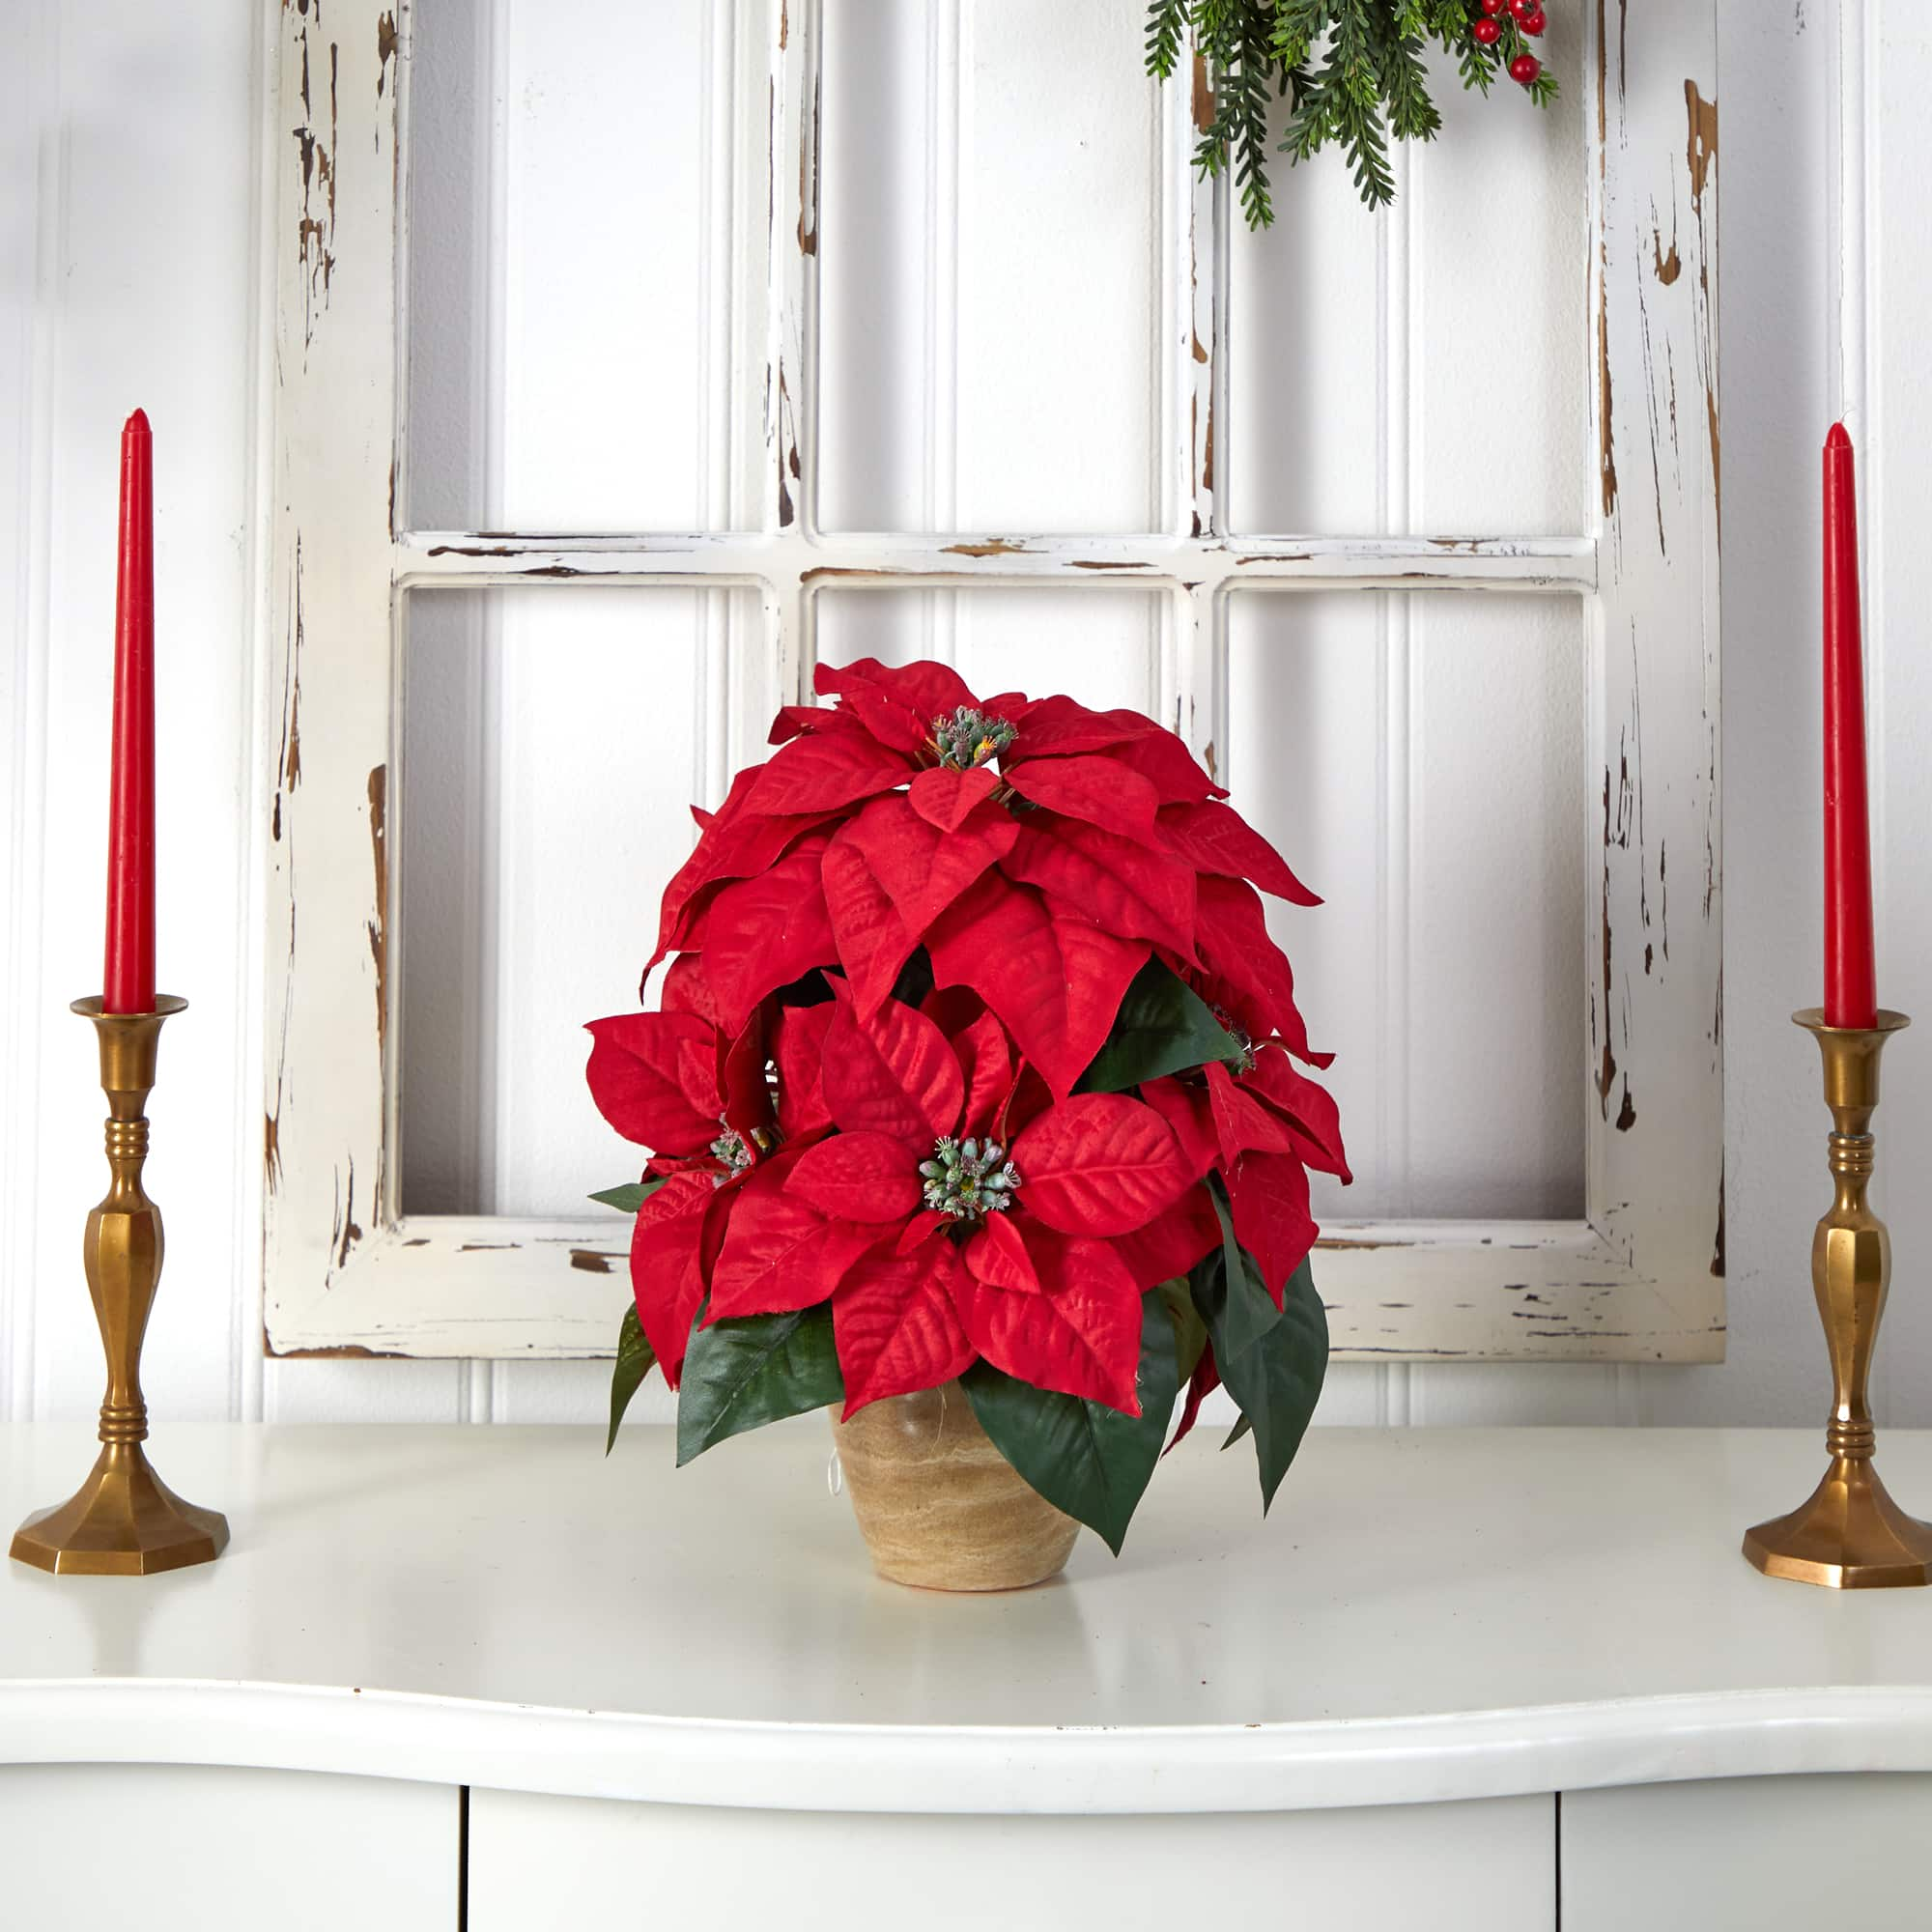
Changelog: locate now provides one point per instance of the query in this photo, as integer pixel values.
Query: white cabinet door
(1478, 1867)
(93, 1848)
(1843, 1850)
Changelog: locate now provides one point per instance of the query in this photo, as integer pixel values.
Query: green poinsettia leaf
(1246, 1311)
(915, 980)
(1276, 1376)
(634, 1360)
(1163, 1026)
(1083, 1457)
(739, 1374)
(1190, 1332)
(632, 1195)
(1242, 1426)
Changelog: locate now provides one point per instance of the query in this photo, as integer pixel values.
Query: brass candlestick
(123, 1521)
(1850, 1535)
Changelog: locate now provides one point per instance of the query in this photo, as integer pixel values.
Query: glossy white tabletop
(1427, 1615)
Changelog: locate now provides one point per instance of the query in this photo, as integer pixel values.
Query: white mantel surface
(1427, 1615)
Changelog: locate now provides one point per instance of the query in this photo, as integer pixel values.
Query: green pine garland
(1351, 69)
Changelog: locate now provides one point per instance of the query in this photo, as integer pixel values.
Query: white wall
(127, 196)
(131, 235)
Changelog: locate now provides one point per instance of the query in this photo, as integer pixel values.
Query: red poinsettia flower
(946, 1223)
(1044, 885)
(677, 1083)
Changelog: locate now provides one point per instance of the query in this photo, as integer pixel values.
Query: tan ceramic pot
(938, 1505)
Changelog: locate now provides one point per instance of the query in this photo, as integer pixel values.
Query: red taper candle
(127, 981)
(1851, 987)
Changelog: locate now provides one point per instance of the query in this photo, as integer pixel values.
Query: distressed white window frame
(1640, 1278)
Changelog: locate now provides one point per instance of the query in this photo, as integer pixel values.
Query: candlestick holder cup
(123, 1521)
(1850, 1535)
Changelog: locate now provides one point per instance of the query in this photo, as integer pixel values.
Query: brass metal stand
(1850, 1535)
(123, 1521)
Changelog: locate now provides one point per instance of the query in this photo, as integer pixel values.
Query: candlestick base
(1850, 1535)
(123, 1522)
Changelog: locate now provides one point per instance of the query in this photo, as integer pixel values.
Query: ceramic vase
(938, 1505)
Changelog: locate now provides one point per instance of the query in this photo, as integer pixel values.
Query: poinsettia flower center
(731, 1152)
(970, 1179)
(1241, 1038)
(969, 738)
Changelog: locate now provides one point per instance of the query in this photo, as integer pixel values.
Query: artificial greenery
(745, 1372)
(632, 1195)
(1086, 1459)
(1352, 71)
(1163, 1026)
(1272, 1359)
(636, 1358)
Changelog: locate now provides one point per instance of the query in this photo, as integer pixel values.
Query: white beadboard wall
(133, 154)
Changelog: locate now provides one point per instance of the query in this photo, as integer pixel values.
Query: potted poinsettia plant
(977, 1111)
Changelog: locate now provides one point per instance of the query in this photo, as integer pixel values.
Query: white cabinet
(186, 1848)
(1843, 1850)
(1474, 1868)
(681, 1698)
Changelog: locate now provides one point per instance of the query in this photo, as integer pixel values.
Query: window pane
(1424, 370)
(577, 174)
(554, 742)
(1419, 760)
(1498, 312)
(990, 219)
(1303, 450)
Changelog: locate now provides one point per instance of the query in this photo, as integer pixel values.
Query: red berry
(1520, 6)
(1533, 22)
(1485, 32)
(1525, 69)
(1493, 6)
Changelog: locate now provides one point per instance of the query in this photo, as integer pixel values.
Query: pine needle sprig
(1477, 65)
(1234, 36)
(1167, 28)
(1298, 25)
(1350, 81)
(1251, 95)
(1412, 115)
(1353, 71)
